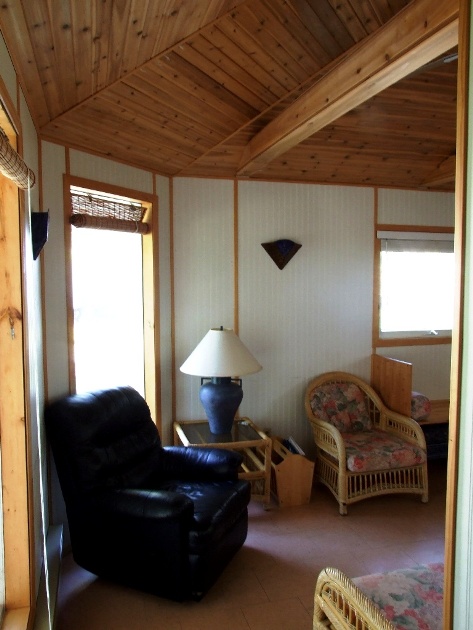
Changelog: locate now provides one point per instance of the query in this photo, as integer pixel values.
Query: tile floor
(270, 582)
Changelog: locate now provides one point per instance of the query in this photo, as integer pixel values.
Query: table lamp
(219, 358)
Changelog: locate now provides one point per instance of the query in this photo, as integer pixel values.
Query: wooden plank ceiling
(188, 87)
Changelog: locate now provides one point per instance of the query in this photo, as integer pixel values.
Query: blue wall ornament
(281, 251)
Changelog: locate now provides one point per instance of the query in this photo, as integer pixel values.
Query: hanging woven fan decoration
(281, 251)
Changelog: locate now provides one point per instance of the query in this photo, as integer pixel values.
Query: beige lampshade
(221, 353)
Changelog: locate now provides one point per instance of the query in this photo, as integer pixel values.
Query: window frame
(152, 371)
(408, 340)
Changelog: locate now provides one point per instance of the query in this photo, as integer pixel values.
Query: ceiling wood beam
(415, 36)
(444, 174)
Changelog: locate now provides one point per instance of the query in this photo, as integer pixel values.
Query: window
(416, 283)
(112, 290)
(107, 290)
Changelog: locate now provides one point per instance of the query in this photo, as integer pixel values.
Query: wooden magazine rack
(292, 476)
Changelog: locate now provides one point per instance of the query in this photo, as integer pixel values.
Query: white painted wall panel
(110, 172)
(409, 207)
(34, 377)
(53, 159)
(53, 166)
(164, 257)
(315, 314)
(203, 274)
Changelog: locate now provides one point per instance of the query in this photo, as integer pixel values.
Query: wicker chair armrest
(338, 603)
(328, 438)
(402, 426)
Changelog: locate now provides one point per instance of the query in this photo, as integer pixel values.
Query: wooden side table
(246, 437)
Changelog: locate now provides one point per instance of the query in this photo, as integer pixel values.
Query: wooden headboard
(392, 380)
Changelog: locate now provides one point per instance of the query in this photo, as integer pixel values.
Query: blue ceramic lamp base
(220, 399)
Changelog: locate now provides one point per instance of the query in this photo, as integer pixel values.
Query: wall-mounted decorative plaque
(281, 251)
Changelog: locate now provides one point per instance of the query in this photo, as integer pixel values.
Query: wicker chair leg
(320, 619)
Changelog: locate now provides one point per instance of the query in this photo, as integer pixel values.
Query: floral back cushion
(420, 406)
(343, 405)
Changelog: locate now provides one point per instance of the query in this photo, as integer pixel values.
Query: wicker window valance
(12, 164)
(104, 212)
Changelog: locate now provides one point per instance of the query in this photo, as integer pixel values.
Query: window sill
(411, 341)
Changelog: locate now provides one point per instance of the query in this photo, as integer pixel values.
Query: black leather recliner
(166, 520)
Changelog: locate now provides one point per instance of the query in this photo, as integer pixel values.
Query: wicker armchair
(405, 598)
(339, 604)
(363, 449)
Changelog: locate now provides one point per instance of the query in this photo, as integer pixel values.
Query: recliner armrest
(200, 463)
(151, 505)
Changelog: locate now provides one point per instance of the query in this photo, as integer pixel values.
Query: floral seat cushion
(343, 405)
(412, 599)
(378, 450)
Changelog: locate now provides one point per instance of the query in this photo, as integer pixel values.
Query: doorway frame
(457, 332)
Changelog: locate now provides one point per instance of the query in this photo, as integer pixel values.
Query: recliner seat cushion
(378, 450)
(217, 506)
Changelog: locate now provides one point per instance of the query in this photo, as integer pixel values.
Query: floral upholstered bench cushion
(412, 599)
(343, 405)
(378, 450)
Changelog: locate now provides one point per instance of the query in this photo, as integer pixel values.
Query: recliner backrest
(104, 439)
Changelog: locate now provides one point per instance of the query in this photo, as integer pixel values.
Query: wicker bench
(408, 599)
